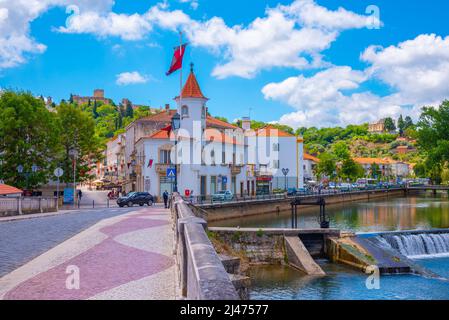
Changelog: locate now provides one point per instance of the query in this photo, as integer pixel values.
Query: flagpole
(180, 74)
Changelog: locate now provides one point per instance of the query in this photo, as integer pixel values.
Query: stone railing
(26, 205)
(201, 274)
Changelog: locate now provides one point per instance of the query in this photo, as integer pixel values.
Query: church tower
(192, 105)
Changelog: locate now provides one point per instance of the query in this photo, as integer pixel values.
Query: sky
(296, 62)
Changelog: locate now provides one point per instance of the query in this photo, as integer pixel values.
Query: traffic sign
(58, 172)
(171, 172)
(224, 180)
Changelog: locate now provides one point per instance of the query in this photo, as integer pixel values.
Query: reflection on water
(342, 283)
(378, 215)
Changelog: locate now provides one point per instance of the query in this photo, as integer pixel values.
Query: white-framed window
(203, 112)
(276, 147)
(164, 157)
(276, 164)
(184, 111)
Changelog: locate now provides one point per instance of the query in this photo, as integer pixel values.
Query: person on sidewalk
(80, 195)
(165, 196)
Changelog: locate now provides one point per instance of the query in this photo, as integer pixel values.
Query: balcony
(236, 169)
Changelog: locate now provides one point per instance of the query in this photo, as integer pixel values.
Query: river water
(344, 283)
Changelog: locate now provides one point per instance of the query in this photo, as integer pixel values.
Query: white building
(310, 164)
(211, 155)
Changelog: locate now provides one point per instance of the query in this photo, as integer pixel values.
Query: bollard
(108, 202)
(93, 204)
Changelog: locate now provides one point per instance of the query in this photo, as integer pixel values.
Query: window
(164, 157)
(276, 164)
(184, 111)
(276, 147)
(203, 112)
(223, 157)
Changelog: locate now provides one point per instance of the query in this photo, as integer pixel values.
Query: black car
(140, 198)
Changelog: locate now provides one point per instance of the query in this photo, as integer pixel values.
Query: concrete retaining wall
(201, 274)
(265, 246)
(223, 211)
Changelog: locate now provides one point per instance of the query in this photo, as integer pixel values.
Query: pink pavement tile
(101, 268)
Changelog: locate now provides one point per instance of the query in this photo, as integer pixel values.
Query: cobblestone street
(112, 254)
(23, 240)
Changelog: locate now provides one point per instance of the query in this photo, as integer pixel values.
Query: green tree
(28, 136)
(341, 150)
(408, 123)
(401, 125)
(433, 138)
(327, 165)
(389, 125)
(129, 111)
(351, 170)
(78, 134)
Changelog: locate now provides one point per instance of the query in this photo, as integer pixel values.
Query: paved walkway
(125, 257)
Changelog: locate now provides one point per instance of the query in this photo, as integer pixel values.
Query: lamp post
(27, 174)
(175, 125)
(74, 154)
(285, 173)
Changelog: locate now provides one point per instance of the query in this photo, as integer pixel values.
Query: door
(241, 189)
(203, 190)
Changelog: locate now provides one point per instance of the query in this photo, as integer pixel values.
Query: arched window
(184, 111)
(203, 112)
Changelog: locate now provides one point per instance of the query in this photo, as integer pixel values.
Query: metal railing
(210, 200)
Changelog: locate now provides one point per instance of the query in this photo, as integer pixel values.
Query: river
(341, 282)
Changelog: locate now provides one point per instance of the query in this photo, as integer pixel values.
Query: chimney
(246, 123)
(167, 108)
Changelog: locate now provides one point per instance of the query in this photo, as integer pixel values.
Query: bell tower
(192, 104)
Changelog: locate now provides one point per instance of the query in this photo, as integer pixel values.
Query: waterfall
(418, 245)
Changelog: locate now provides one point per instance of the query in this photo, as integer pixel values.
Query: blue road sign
(224, 180)
(171, 172)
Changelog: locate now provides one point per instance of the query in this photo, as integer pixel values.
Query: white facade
(210, 156)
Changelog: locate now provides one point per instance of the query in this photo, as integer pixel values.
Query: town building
(9, 191)
(229, 156)
(387, 167)
(114, 170)
(310, 164)
(377, 127)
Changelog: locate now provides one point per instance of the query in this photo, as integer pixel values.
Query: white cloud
(279, 39)
(331, 98)
(194, 4)
(311, 15)
(418, 69)
(127, 78)
(16, 44)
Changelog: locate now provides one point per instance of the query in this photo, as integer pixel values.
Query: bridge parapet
(201, 274)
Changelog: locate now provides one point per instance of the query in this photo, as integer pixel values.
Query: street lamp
(285, 173)
(74, 154)
(20, 170)
(175, 125)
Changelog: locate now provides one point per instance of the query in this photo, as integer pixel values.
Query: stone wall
(263, 246)
(200, 272)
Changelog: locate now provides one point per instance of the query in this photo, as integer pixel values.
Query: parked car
(345, 187)
(292, 192)
(133, 198)
(223, 196)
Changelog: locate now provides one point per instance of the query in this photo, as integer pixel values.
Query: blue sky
(246, 57)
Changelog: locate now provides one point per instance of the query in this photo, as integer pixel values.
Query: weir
(414, 244)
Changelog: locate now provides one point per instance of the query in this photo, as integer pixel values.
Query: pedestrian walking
(165, 196)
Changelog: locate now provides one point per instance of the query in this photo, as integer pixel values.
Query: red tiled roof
(215, 123)
(5, 190)
(311, 158)
(166, 117)
(192, 88)
(271, 131)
